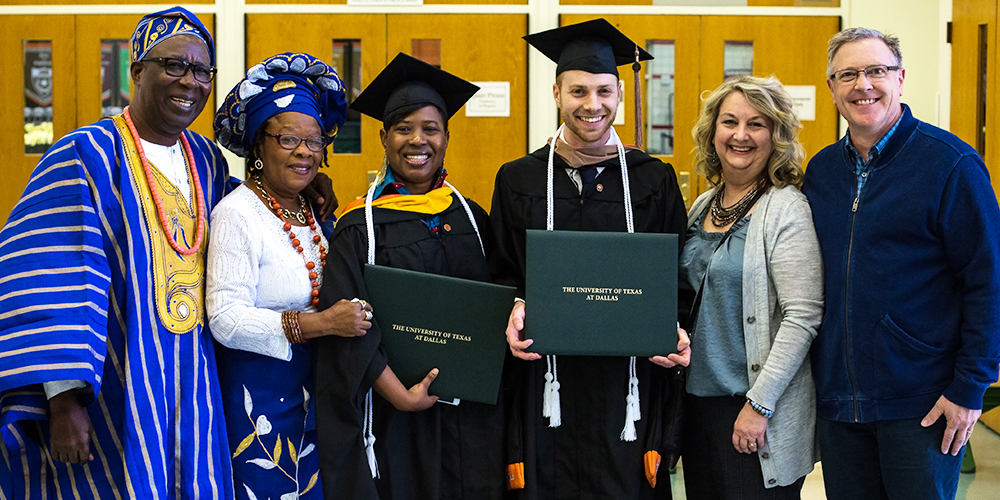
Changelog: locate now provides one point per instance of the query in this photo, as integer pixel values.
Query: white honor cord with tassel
(632, 414)
(631, 403)
(550, 393)
(551, 407)
(551, 397)
(369, 436)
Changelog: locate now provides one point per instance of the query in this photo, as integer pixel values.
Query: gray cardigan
(783, 304)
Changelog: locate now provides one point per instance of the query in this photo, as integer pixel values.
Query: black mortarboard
(592, 46)
(407, 80)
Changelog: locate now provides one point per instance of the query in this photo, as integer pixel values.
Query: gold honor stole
(179, 280)
(434, 202)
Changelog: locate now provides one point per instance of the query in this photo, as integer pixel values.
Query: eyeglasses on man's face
(876, 72)
(179, 67)
(290, 142)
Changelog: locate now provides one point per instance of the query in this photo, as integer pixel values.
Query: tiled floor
(984, 484)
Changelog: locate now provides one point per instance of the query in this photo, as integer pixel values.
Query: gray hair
(854, 34)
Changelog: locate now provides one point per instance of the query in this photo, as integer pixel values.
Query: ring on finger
(752, 444)
(368, 316)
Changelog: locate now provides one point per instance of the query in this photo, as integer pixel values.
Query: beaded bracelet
(764, 412)
(290, 323)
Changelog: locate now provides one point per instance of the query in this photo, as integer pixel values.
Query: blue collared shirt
(861, 167)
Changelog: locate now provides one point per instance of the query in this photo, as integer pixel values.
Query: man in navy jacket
(909, 228)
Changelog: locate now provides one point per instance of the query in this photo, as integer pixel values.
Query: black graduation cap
(592, 46)
(407, 80)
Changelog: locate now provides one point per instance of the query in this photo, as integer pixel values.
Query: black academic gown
(585, 458)
(445, 452)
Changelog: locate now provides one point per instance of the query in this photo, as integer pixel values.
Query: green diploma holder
(601, 293)
(452, 324)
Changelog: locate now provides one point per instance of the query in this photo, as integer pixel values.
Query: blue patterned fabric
(271, 423)
(284, 82)
(77, 303)
(159, 26)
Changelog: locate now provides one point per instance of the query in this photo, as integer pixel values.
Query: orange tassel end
(652, 461)
(515, 476)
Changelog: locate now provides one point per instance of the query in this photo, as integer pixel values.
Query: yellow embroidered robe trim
(178, 280)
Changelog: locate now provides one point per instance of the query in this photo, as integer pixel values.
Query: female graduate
(375, 444)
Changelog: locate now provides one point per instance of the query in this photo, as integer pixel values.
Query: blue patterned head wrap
(159, 26)
(292, 81)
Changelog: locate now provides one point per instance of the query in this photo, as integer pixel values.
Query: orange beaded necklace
(195, 180)
(296, 244)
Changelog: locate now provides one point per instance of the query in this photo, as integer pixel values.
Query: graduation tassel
(632, 413)
(638, 100)
(550, 393)
(369, 435)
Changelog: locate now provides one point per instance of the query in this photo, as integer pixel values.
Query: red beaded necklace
(296, 244)
(199, 196)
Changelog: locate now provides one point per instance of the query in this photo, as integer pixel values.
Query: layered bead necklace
(304, 216)
(724, 216)
(195, 181)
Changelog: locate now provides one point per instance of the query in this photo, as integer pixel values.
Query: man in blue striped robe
(108, 386)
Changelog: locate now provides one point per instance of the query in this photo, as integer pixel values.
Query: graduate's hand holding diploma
(415, 398)
(683, 355)
(515, 324)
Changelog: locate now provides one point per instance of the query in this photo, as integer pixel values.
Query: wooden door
(790, 48)
(316, 34)
(974, 91)
(478, 48)
(26, 40)
(682, 32)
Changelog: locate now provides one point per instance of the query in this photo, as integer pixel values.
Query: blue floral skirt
(270, 424)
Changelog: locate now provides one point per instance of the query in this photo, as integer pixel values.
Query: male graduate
(107, 371)
(583, 447)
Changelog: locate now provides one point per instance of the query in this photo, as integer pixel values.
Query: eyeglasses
(179, 67)
(290, 142)
(877, 72)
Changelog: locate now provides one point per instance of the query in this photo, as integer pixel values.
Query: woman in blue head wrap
(265, 262)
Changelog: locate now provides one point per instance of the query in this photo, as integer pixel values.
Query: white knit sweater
(254, 274)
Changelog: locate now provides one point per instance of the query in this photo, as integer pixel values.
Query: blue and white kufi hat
(159, 26)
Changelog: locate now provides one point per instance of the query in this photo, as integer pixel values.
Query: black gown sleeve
(345, 369)
(507, 260)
